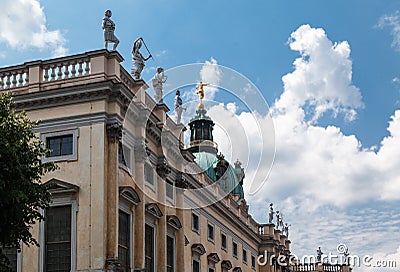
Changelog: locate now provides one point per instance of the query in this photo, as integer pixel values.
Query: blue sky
(253, 38)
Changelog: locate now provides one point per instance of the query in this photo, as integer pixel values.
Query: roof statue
(109, 27)
(158, 80)
(278, 219)
(271, 213)
(286, 230)
(200, 92)
(138, 59)
(178, 106)
(319, 255)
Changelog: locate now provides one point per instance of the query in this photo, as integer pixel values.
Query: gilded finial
(200, 92)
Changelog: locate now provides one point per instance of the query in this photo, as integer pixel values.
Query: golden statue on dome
(200, 92)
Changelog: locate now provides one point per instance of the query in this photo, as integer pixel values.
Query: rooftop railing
(36, 75)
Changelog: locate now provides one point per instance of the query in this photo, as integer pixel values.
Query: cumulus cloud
(321, 80)
(323, 181)
(320, 173)
(321, 164)
(23, 25)
(383, 262)
(210, 74)
(393, 22)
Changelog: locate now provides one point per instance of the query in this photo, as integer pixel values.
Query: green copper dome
(203, 147)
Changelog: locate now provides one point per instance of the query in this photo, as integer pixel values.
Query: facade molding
(198, 248)
(114, 131)
(174, 222)
(129, 194)
(226, 264)
(213, 257)
(153, 209)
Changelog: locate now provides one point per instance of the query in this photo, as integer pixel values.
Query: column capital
(114, 131)
(140, 149)
(163, 169)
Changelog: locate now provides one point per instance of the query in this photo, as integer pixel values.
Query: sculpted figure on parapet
(278, 219)
(319, 255)
(109, 27)
(138, 61)
(158, 80)
(286, 230)
(178, 106)
(271, 213)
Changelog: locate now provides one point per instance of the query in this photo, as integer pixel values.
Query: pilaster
(114, 134)
(139, 228)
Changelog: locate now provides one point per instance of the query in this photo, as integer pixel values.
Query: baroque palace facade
(118, 205)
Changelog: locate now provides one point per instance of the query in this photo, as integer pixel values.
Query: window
(223, 242)
(244, 256)
(196, 266)
(170, 254)
(57, 234)
(124, 240)
(253, 262)
(121, 154)
(149, 175)
(124, 156)
(210, 232)
(62, 144)
(169, 190)
(149, 249)
(195, 223)
(58, 239)
(235, 249)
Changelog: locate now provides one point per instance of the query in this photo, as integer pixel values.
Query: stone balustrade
(66, 68)
(75, 69)
(304, 267)
(13, 77)
(320, 267)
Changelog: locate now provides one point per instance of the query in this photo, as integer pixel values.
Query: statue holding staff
(109, 27)
(138, 61)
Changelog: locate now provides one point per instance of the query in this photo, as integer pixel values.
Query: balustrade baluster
(8, 82)
(73, 70)
(53, 72)
(46, 73)
(66, 71)
(87, 68)
(80, 70)
(26, 72)
(59, 73)
(14, 79)
(21, 78)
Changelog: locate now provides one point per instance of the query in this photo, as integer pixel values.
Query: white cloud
(320, 173)
(210, 74)
(392, 21)
(383, 262)
(321, 81)
(321, 164)
(23, 25)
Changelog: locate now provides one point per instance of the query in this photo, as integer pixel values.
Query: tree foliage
(21, 169)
